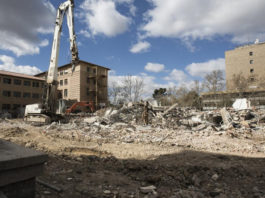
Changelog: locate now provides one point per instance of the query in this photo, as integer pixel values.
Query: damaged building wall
(89, 82)
(94, 84)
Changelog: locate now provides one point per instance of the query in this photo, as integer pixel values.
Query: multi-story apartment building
(249, 61)
(245, 78)
(18, 90)
(88, 82)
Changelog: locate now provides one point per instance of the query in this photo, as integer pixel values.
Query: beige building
(249, 60)
(18, 90)
(88, 82)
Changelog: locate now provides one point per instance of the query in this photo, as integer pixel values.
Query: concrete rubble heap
(126, 124)
(181, 152)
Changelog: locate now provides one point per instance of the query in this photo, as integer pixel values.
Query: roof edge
(70, 64)
(20, 75)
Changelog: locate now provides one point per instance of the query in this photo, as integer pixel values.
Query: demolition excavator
(52, 106)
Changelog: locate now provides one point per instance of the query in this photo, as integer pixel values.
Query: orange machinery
(80, 104)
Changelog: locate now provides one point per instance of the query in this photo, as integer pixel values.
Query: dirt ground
(183, 165)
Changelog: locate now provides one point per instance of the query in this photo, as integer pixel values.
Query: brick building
(18, 90)
(89, 82)
(249, 60)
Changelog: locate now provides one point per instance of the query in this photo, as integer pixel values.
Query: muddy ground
(194, 165)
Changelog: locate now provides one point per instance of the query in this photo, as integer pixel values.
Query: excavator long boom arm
(51, 93)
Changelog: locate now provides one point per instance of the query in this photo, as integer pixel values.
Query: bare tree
(115, 92)
(197, 87)
(214, 81)
(239, 82)
(138, 87)
(128, 87)
(261, 84)
(132, 88)
(181, 91)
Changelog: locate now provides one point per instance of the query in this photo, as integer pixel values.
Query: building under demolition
(88, 82)
(245, 71)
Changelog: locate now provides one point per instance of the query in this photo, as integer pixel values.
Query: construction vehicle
(52, 107)
(80, 104)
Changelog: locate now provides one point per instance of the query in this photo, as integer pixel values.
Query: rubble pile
(125, 125)
(114, 153)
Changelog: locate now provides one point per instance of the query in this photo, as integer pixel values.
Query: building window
(6, 106)
(251, 70)
(95, 71)
(7, 80)
(27, 83)
(26, 95)
(61, 73)
(65, 72)
(65, 93)
(35, 95)
(252, 79)
(35, 84)
(65, 81)
(17, 94)
(16, 106)
(88, 69)
(250, 53)
(61, 82)
(87, 80)
(7, 93)
(94, 81)
(17, 82)
(251, 61)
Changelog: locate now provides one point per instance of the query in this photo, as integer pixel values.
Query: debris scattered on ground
(112, 153)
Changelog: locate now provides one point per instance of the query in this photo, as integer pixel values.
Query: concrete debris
(147, 189)
(215, 177)
(241, 104)
(113, 154)
(126, 124)
(227, 120)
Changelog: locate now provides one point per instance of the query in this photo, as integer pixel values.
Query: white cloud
(201, 69)
(85, 33)
(7, 63)
(150, 83)
(102, 17)
(141, 46)
(133, 10)
(44, 43)
(193, 19)
(154, 67)
(176, 79)
(21, 23)
(177, 75)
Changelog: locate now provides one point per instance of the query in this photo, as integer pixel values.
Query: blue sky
(165, 42)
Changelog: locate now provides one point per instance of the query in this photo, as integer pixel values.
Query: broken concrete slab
(241, 104)
(18, 167)
(147, 189)
(227, 119)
